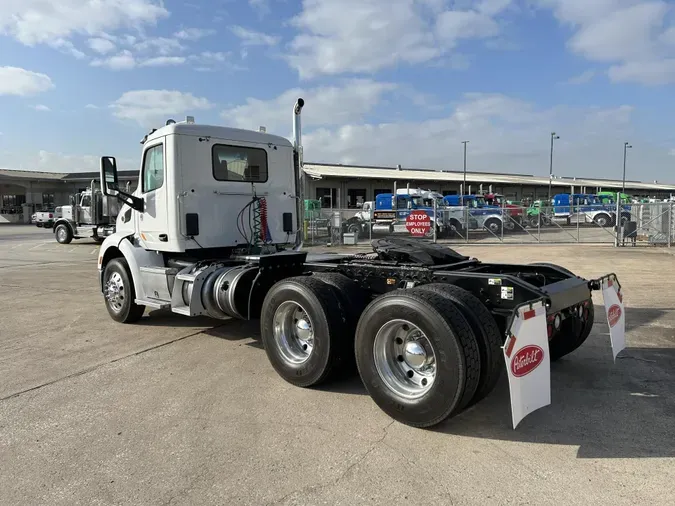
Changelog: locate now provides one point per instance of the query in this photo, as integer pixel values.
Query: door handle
(163, 237)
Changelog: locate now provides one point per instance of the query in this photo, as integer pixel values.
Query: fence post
(618, 220)
(670, 224)
(578, 232)
(435, 222)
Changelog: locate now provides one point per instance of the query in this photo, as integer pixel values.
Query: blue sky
(385, 81)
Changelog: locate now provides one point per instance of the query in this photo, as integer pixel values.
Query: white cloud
(38, 21)
(630, 35)
(67, 47)
(582, 78)
(91, 106)
(162, 46)
(163, 61)
(194, 33)
(152, 107)
(330, 105)
(506, 134)
(22, 82)
(40, 108)
(253, 38)
(122, 61)
(60, 162)
(368, 35)
(100, 45)
(261, 6)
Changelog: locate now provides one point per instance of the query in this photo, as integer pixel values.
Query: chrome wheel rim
(61, 233)
(293, 332)
(405, 359)
(114, 292)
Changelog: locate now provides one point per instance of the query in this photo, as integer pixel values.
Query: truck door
(85, 210)
(152, 222)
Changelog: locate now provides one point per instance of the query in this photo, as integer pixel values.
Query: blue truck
(391, 212)
(485, 216)
(586, 208)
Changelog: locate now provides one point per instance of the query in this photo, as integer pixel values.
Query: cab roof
(219, 132)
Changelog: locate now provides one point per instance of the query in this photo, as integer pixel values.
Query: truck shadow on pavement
(609, 410)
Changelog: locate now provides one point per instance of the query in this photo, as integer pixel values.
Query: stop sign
(418, 223)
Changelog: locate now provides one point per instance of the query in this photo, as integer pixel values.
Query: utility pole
(626, 147)
(464, 186)
(550, 171)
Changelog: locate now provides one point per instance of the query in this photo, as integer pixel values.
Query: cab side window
(153, 168)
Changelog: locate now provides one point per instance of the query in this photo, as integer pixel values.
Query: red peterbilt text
(526, 360)
(613, 315)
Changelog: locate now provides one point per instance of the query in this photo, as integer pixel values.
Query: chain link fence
(641, 224)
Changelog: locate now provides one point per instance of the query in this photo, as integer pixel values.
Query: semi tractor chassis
(423, 325)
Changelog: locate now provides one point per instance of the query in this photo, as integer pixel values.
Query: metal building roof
(320, 170)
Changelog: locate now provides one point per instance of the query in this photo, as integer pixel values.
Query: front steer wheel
(417, 356)
(302, 328)
(119, 293)
(64, 234)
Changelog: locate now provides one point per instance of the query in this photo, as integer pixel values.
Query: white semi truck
(90, 215)
(214, 228)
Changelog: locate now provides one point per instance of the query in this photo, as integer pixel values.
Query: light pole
(550, 170)
(626, 147)
(464, 186)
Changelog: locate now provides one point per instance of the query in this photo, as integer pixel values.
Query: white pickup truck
(46, 219)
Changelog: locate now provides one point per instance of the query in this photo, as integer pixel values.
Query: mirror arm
(133, 201)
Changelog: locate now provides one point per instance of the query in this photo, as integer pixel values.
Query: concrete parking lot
(188, 411)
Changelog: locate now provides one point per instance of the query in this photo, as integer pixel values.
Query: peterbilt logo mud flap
(527, 362)
(616, 317)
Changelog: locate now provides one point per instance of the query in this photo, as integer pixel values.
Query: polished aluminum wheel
(62, 234)
(404, 359)
(293, 332)
(114, 291)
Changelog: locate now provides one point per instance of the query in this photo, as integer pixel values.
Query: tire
(317, 304)
(417, 402)
(119, 292)
(352, 298)
(569, 339)
(493, 225)
(39, 225)
(602, 220)
(486, 331)
(64, 234)
(455, 228)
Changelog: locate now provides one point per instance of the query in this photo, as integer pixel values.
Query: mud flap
(616, 316)
(527, 360)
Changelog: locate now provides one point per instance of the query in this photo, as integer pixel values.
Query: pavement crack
(97, 366)
(343, 474)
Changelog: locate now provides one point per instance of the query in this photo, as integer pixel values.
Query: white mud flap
(528, 364)
(616, 316)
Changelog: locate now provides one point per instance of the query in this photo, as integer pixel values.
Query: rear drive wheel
(119, 292)
(485, 330)
(417, 356)
(302, 325)
(64, 235)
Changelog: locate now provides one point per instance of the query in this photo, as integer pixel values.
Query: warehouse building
(338, 186)
(23, 192)
(348, 186)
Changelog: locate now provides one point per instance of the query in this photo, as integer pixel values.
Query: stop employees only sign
(418, 223)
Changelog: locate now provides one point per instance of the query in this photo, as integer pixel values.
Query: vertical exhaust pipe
(299, 173)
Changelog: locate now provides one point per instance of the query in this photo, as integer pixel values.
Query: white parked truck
(215, 226)
(90, 215)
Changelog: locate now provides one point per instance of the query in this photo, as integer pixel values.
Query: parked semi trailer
(215, 228)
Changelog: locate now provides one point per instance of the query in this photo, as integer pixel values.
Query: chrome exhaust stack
(299, 173)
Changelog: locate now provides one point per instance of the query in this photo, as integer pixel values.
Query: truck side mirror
(110, 184)
(109, 181)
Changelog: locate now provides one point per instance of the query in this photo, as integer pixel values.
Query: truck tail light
(51, 215)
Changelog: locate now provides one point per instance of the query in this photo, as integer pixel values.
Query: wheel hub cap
(114, 291)
(415, 354)
(293, 332)
(405, 359)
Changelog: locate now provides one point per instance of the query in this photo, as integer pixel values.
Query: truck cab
(514, 212)
(582, 208)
